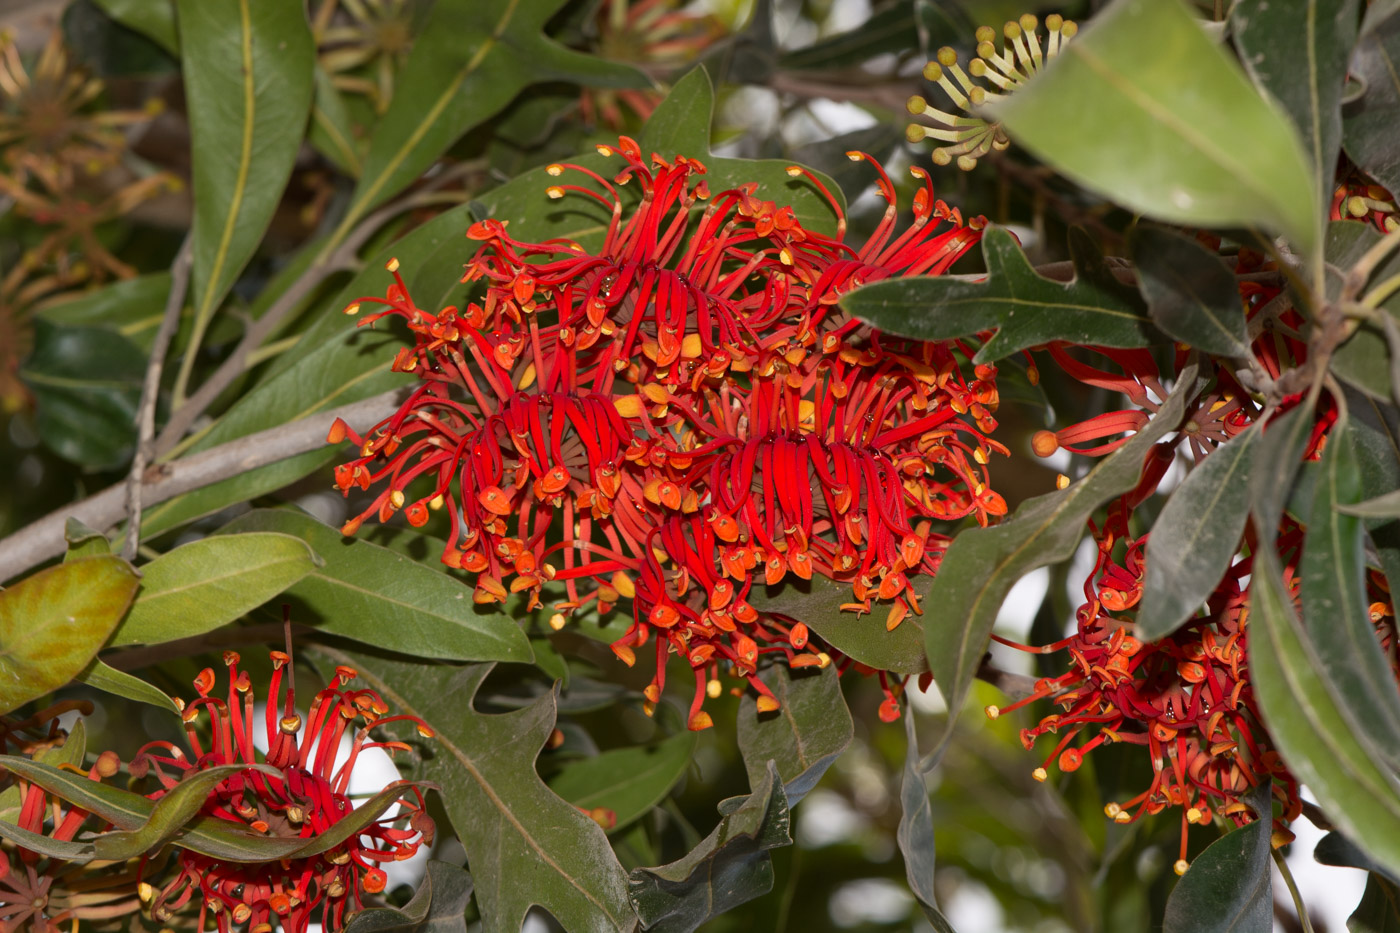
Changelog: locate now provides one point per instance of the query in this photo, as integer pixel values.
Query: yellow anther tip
(985, 34)
(993, 712)
(916, 105)
(392, 265)
(947, 56)
(556, 169)
(1181, 866)
(933, 71)
(1040, 775)
(1029, 22)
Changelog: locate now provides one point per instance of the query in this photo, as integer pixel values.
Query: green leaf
(915, 832)
(1379, 910)
(52, 623)
(627, 781)
(1176, 130)
(86, 383)
(200, 586)
(526, 846)
(1195, 538)
(1336, 613)
(1297, 52)
(332, 131)
(438, 906)
(1377, 12)
(1229, 887)
(154, 19)
(1025, 309)
(1364, 359)
(983, 564)
(84, 541)
(100, 676)
(170, 813)
(890, 29)
(470, 60)
(1368, 131)
(1190, 293)
(1307, 721)
(363, 591)
(729, 867)
(1386, 506)
(247, 71)
(803, 737)
(817, 604)
(1373, 430)
(67, 850)
(131, 307)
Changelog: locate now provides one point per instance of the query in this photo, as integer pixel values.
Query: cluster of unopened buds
(684, 414)
(308, 799)
(1185, 698)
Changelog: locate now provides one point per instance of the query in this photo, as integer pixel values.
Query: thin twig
(1292, 890)
(335, 260)
(150, 393)
(1013, 685)
(43, 539)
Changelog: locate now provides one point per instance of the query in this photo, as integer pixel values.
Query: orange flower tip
(231, 658)
(556, 621)
(392, 265)
(624, 585)
(337, 432)
(767, 704)
(604, 150)
(1061, 481)
(700, 722)
(1181, 866)
(629, 406)
(375, 880)
(1193, 815)
(290, 725)
(350, 527)
(554, 191)
(713, 688)
(1040, 775)
(1044, 443)
(603, 817)
(426, 731)
(1281, 837)
(556, 739)
(649, 708)
(554, 169)
(205, 681)
(1071, 759)
(259, 826)
(241, 913)
(993, 711)
(1111, 810)
(352, 309)
(108, 764)
(794, 171)
(625, 654)
(652, 693)
(145, 892)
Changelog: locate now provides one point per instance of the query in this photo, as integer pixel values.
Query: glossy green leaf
(729, 867)
(332, 131)
(1195, 538)
(470, 60)
(1379, 910)
(627, 781)
(363, 591)
(1304, 714)
(1024, 308)
(1368, 131)
(983, 564)
(804, 736)
(247, 70)
(66, 849)
(1386, 506)
(154, 19)
(1297, 52)
(86, 383)
(1190, 293)
(1229, 887)
(1373, 430)
(438, 906)
(1176, 130)
(170, 813)
(205, 584)
(83, 541)
(817, 604)
(915, 832)
(1336, 611)
(1276, 464)
(131, 307)
(100, 676)
(52, 623)
(526, 846)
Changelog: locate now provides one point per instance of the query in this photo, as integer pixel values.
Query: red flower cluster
(309, 799)
(1186, 698)
(684, 414)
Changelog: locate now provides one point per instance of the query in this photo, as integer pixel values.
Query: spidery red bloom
(685, 413)
(307, 800)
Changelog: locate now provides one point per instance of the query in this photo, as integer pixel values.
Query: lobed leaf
(438, 906)
(627, 781)
(1024, 308)
(53, 622)
(803, 737)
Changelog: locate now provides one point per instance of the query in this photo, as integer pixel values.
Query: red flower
(309, 799)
